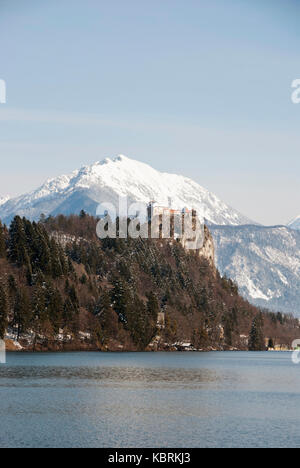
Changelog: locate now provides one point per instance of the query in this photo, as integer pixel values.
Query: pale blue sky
(195, 87)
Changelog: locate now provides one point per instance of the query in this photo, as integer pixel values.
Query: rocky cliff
(208, 249)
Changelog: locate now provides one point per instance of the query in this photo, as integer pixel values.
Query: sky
(198, 87)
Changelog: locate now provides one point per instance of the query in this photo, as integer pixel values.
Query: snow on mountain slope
(105, 181)
(264, 262)
(3, 200)
(295, 223)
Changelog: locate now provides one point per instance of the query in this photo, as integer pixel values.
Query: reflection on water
(83, 376)
(149, 400)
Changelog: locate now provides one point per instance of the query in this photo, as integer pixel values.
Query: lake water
(150, 400)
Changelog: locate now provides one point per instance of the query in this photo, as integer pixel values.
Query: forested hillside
(62, 288)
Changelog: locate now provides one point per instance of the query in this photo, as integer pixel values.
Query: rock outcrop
(208, 249)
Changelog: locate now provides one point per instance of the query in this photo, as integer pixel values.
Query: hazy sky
(201, 88)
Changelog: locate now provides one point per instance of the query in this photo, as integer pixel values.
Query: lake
(220, 399)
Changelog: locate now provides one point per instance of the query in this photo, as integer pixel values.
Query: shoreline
(28, 351)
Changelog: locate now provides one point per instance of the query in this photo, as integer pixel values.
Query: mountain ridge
(295, 223)
(106, 180)
(263, 261)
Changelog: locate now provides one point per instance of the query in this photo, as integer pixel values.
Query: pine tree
(4, 310)
(56, 266)
(121, 300)
(54, 305)
(12, 292)
(63, 260)
(153, 307)
(39, 304)
(138, 323)
(29, 276)
(42, 250)
(2, 241)
(18, 253)
(71, 309)
(256, 338)
(71, 316)
(39, 310)
(22, 311)
(105, 314)
(73, 296)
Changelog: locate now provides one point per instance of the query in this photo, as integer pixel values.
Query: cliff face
(208, 249)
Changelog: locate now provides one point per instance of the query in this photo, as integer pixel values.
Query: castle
(154, 209)
(177, 232)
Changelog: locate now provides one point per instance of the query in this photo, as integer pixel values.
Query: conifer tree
(2, 241)
(54, 305)
(71, 309)
(12, 288)
(63, 260)
(121, 299)
(71, 316)
(256, 338)
(141, 324)
(17, 243)
(43, 251)
(153, 307)
(56, 267)
(39, 303)
(104, 313)
(22, 311)
(4, 310)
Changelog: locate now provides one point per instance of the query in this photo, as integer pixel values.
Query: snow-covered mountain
(295, 223)
(105, 181)
(264, 262)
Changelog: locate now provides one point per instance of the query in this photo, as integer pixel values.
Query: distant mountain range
(265, 262)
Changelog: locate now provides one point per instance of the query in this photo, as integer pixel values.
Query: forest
(61, 288)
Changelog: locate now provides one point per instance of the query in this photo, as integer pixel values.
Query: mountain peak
(121, 157)
(106, 180)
